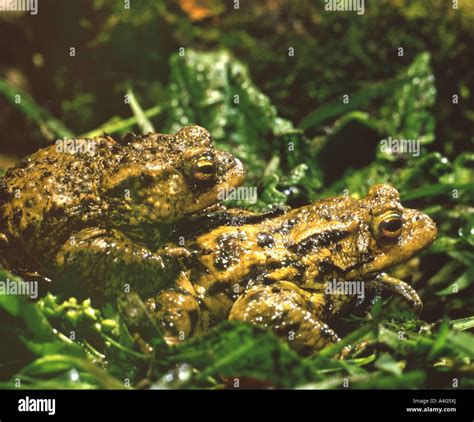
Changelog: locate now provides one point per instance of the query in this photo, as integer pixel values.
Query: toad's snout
(419, 230)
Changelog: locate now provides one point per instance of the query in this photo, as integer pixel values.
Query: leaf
(353, 338)
(406, 112)
(119, 125)
(270, 193)
(204, 88)
(463, 323)
(356, 101)
(409, 380)
(50, 127)
(466, 232)
(433, 190)
(234, 349)
(142, 120)
(406, 345)
(353, 116)
(373, 381)
(459, 284)
(53, 364)
(138, 320)
(32, 327)
(443, 244)
(214, 90)
(440, 340)
(462, 172)
(465, 257)
(462, 342)
(388, 364)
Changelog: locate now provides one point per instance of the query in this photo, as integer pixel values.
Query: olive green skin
(96, 215)
(274, 273)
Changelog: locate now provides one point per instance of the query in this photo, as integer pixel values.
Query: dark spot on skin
(55, 212)
(223, 218)
(327, 333)
(276, 290)
(320, 240)
(146, 180)
(24, 163)
(154, 306)
(127, 138)
(283, 325)
(267, 281)
(224, 260)
(293, 326)
(17, 214)
(198, 269)
(194, 319)
(328, 306)
(5, 195)
(46, 174)
(218, 287)
(327, 267)
(126, 160)
(29, 231)
(284, 228)
(228, 252)
(115, 149)
(254, 275)
(264, 240)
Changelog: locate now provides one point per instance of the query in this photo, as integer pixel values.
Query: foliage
(324, 147)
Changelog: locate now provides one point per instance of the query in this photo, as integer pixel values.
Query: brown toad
(89, 218)
(280, 272)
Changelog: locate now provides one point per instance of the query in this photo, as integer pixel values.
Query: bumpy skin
(274, 273)
(93, 219)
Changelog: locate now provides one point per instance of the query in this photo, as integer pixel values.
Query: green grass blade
(50, 127)
(117, 125)
(360, 98)
(142, 120)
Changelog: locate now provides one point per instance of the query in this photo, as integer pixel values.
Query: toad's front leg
(105, 263)
(285, 309)
(384, 283)
(178, 314)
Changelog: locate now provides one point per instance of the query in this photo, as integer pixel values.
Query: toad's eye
(204, 168)
(390, 226)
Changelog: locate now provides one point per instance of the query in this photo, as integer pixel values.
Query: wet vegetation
(306, 99)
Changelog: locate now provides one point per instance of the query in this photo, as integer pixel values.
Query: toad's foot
(284, 308)
(178, 314)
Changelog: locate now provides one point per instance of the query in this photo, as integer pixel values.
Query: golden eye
(204, 168)
(390, 226)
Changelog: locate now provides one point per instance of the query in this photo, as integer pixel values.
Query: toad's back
(50, 194)
(132, 187)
